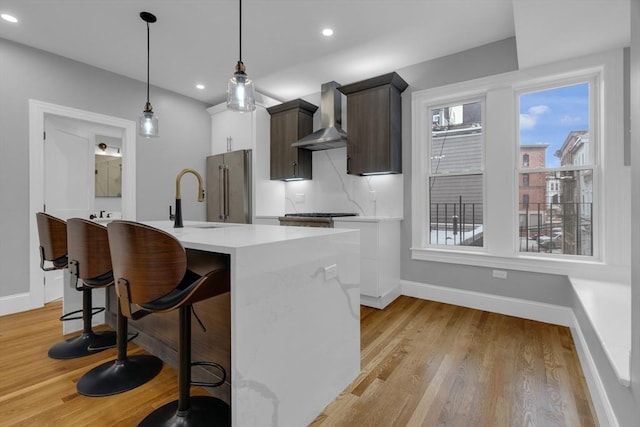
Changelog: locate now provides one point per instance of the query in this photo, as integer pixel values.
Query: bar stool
(90, 261)
(150, 267)
(53, 235)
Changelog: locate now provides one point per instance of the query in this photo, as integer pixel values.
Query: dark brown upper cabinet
(374, 125)
(290, 121)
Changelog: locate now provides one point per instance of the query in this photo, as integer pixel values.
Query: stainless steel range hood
(330, 134)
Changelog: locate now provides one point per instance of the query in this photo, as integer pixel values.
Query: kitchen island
(293, 317)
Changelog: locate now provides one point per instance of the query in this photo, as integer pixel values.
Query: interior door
(68, 180)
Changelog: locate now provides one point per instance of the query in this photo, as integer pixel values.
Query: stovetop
(319, 214)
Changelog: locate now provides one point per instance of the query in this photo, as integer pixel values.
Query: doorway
(73, 151)
(38, 114)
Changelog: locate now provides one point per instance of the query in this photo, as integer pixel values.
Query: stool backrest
(52, 233)
(151, 261)
(88, 245)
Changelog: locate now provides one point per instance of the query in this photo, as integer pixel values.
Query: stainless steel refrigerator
(228, 187)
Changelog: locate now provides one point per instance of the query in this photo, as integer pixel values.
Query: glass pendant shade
(241, 96)
(148, 124)
(240, 93)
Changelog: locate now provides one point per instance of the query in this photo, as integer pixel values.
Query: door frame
(37, 112)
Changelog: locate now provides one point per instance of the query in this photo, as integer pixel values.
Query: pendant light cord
(240, 29)
(148, 48)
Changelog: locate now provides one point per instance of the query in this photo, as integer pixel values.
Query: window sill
(608, 306)
(566, 266)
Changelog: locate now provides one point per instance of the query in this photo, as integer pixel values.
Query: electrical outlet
(299, 198)
(499, 274)
(330, 272)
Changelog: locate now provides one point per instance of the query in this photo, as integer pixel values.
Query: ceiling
(196, 41)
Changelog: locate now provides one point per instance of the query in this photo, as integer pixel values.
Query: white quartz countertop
(357, 218)
(366, 218)
(225, 237)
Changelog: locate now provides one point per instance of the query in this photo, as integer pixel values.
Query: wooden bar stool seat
(150, 269)
(52, 233)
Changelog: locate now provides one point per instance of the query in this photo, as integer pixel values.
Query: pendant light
(240, 93)
(148, 122)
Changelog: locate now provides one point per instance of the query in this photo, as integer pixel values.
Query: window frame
(595, 105)
(611, 179)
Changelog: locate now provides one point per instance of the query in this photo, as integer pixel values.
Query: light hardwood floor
(423, 364)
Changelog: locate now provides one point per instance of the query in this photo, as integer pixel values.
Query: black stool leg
(196, 411)
(88, 342)
(122, 374)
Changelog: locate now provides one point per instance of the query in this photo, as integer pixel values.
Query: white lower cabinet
(379, 258)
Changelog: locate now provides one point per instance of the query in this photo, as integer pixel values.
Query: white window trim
(611, 188)
(593, 78)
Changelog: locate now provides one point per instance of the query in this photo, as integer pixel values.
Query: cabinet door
(374, 112)
(230, 124)
(369, 278)
(369, 130)
(284, 127)
(379, 256)
(288, 162)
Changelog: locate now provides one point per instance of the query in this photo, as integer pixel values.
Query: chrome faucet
(178, 216)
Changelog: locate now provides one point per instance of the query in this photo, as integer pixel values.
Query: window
(455, 175)
(576, 184)
(561, 193)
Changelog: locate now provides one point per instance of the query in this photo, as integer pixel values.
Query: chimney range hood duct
(330, 135)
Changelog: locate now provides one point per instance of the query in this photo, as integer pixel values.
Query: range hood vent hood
(330, 135)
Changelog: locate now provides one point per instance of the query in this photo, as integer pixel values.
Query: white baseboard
(383, 301)
(16, 303)
(549, 313)
(542, 312)
(603, 407)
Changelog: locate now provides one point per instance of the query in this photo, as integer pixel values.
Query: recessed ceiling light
(199, 86)
(9, 18)
(327, 32)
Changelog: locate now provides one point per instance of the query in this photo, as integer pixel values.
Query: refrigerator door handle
(221, 189)
(226, 192)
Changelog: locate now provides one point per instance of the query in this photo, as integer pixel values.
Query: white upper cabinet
(231, 130)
